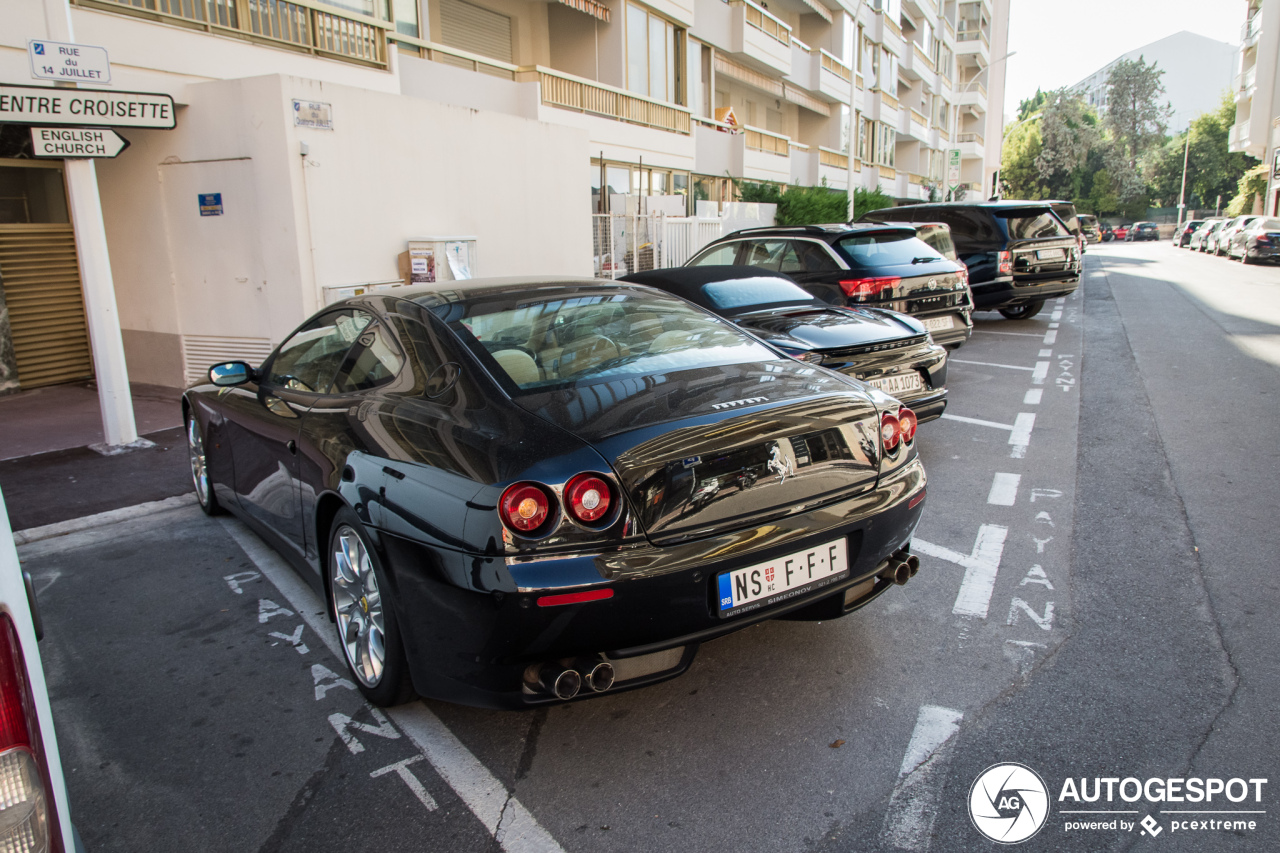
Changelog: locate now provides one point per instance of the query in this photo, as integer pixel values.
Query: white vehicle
(35, 816)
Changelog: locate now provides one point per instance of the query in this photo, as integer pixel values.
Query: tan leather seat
(585, 353)
(671, 340)
(519, 365)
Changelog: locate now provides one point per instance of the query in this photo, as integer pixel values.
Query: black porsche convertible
(516, 491)
(889, 350)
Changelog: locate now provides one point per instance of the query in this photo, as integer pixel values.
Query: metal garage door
(469, 27)
(40, 274)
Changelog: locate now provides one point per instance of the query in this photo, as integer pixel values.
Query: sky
(1058, 43)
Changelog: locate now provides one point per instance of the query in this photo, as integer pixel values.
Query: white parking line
(1050, 337)
(1004, 489)
(989, 364)
(964, 420)
(1039, 373)
(1046, 353)
(503, 816)
(1016, 334)
(980, 568)
(1022, 427)
(1032, 397)
(913, 806)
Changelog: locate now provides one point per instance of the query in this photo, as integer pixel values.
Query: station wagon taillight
(863, 288)
(27, 821)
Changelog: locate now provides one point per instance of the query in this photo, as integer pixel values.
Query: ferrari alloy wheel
(361, 613)
(200, 469)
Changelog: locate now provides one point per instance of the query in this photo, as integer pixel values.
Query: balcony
(1239, 136)
(1250, 30)
(748, 152)
(453, 56)
(973, 44)
(1245, 83)
(971, 145)
(759, 36)
(566, 92)
(972, 95)
(833, 167)
(835, 79)
(300, 25)
(815, 70)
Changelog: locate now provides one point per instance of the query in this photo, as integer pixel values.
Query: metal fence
(623, 243)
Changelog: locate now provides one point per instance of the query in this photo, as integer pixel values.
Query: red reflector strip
(914, 502)
(575, 597)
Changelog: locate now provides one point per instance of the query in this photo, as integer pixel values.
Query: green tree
(1018, 173)
(1068, 132)
(1252, 184)
(1212, 169)
(1028, 107)
(1136, 120)
(800, 205)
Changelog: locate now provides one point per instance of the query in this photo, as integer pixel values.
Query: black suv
(878, 266)
(1019, 253)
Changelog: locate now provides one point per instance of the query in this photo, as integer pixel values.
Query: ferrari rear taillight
(27, 823)
(864, 288)
(907, 423)
(587, 497)
(1006, 263)
(890, 432)
(524, 507)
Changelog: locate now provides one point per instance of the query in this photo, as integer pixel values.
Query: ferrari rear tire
(1023, 312)
(364, 615)
(200, 469)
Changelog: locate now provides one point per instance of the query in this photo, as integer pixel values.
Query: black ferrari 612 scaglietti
(886, 349)
(520, 491)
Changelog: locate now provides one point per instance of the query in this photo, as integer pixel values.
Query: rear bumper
(1006, 292)
(481, 648)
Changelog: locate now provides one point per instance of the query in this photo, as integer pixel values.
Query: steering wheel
(293, 383)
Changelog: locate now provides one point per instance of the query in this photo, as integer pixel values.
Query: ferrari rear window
(549, 342)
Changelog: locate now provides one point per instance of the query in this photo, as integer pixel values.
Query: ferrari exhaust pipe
(598, 675)
(911, 560)
(561, 683)
(897, 571)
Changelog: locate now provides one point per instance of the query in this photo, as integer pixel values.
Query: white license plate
(937, 324)
(898, 384)
(1049, 254)
(783, 578)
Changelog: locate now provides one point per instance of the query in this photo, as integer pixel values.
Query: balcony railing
(836, 67)
(764, 22)
(834, 159)
(301, 25)
(973, 35)
(919, 117)
(888, 173)
(767, 141)
(1246, 79)
(922, 57)
(888, 100)
(587, 96)
(1252, 27)
(1240, 132)
(453, 56)
(970, 137)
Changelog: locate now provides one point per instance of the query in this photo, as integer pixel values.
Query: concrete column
(118, 426)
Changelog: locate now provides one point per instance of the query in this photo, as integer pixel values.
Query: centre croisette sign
(102, 108)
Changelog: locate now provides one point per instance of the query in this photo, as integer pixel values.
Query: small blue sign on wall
(210, 204)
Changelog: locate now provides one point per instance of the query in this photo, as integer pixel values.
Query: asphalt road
(1095, 600)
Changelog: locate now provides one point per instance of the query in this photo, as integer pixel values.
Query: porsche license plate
(785, 577)
(937, 324)
(901, 383)
(1049, 254)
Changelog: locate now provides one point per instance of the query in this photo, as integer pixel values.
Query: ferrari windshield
(545, 342)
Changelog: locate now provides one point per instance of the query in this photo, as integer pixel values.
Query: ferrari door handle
(292, 446)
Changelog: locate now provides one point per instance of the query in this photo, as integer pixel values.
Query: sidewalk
(48, 473)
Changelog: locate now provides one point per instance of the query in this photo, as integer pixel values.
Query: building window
(886, 144)
(655, 49)
(865, 129)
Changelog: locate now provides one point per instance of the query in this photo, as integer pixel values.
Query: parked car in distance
(1195, 240)
(888, 350)
(1018, 253)
(1182, 235)
(872, 265)
(34, 811)
(1258, 241)
(1211, 229)
(1141, 231)
(518, 492)
(1089, 225)
(1066, 211)
(1222, 246)
(1120, 232)
(1107, 233)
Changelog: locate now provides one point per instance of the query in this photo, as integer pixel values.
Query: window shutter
(472, 28)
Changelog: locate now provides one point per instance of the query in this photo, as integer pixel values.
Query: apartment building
(311, 142)
(1257, 92)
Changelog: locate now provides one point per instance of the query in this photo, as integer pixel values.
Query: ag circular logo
(1008, 803)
